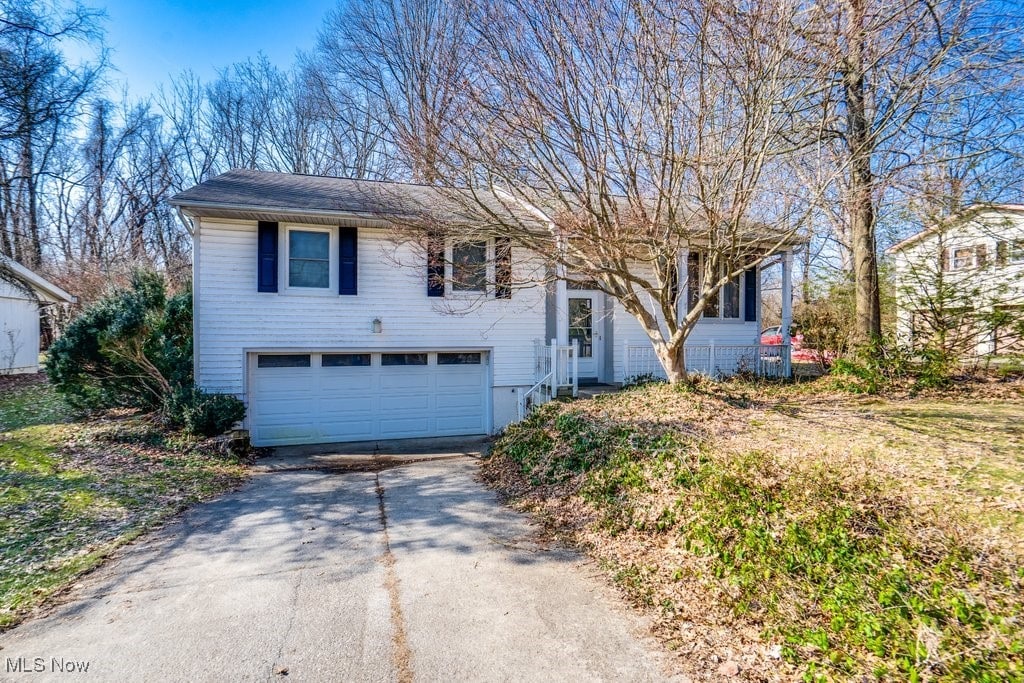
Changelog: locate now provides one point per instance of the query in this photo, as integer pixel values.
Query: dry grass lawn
(796, 532)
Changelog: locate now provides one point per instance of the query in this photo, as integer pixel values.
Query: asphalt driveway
(413, 572)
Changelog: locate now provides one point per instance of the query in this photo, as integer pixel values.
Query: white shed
(23, 295)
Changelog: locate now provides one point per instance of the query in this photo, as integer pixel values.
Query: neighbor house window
(1015, 253)
(309, 259)
(963, 258)
(469, 267)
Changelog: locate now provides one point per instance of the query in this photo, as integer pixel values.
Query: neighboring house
(960, 284)
(23, 295)
(333, 324)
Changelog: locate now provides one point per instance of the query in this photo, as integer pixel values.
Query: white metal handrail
(539, 394)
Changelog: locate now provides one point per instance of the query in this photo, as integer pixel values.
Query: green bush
(130, 349)
(882, 366)
(202, 413)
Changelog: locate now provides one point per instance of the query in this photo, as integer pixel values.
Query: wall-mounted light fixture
(377, 326)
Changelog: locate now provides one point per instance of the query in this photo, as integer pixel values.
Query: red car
(771, 336)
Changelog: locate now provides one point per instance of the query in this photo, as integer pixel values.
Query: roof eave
(969, 213)
(196, 208)
(41, 285)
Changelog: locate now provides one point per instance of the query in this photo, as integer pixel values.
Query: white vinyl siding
(235, 319)
(19, 331)
(721, 331)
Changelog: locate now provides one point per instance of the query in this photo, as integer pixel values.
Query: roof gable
(40, 286)
(954, 222)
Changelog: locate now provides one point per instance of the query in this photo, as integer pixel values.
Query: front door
(585, 317)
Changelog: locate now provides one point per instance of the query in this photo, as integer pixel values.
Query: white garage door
(323, 397)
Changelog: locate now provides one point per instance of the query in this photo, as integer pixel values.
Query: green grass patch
(843, 566)
(70, 493)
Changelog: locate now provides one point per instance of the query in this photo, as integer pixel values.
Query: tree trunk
(673, 360)
(868, 322)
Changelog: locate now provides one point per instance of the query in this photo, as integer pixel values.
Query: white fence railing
(554, 367)
(562, 362)
(713, 360)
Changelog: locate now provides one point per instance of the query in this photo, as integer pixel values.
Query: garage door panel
(351, 430)
(397, 428)
(345, 405)
(334, 402)
(451, 426)
(282, 434)
(461, 400)
(405, 379)
(289, 386)
(281, 410)
(417, 403)
(446, 379)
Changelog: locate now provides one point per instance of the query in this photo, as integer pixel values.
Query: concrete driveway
(409, 573)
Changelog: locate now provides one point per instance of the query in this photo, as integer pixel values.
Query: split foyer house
(960, 284)
(332, 324)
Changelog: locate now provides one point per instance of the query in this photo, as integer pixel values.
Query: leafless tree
(901, 84)
(407, 57)
(639, 129)
(40, 98)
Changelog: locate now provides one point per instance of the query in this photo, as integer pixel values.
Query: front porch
(557, 367)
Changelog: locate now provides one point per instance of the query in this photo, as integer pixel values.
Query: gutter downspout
(192, 226)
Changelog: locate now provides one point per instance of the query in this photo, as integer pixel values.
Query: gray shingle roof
(263, 190)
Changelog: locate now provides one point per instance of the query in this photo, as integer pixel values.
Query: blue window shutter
(348, 261)
(750, 296)
(502, 268)
(435, 265)
(267, 257)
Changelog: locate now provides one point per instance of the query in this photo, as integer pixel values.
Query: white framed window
(1015, 251)
(309, 259)
(469, 267)
(964, 258)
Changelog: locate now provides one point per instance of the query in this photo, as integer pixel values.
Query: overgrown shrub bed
(788, 561)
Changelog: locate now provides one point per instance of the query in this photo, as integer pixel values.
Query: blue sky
(155, 39)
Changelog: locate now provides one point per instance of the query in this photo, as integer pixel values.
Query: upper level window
(964, 257)
(469, 267)
(1015, 251)
(309, 258)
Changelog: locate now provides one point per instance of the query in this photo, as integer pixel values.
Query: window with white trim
(1015, 251)
(309, 258)
(964, 258)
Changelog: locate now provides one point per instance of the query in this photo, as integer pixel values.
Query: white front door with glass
(586, 314)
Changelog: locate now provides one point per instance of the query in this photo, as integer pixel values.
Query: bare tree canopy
(639, 130)
(911, 92)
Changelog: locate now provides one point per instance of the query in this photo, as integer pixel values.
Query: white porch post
(787, 309)
(561, 308)
(682, 305)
